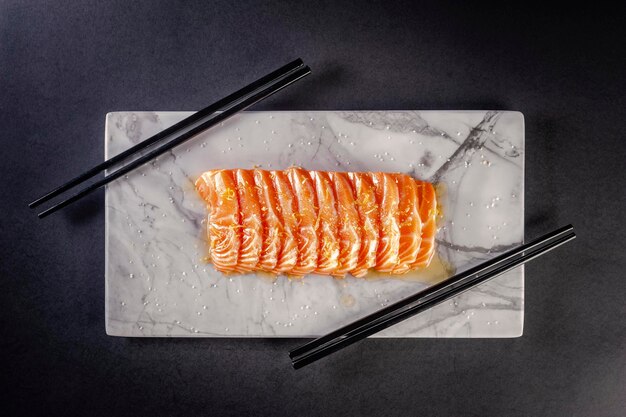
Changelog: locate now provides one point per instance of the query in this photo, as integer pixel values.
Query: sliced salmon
(327, 226)
(288, 256)
(409, 222)
(251, 223)
(306, 205)
(297, 222)
(387, 199)
(368, 221)
(271, 219)
(219, 190)
(349, 227)
(428, 214)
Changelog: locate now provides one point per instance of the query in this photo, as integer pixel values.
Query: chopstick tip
(45, 213)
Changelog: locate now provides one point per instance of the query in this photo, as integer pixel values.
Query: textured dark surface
(64, 64)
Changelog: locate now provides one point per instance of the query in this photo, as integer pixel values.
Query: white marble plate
(157, 283)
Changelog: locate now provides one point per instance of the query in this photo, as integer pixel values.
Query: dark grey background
(64, 64)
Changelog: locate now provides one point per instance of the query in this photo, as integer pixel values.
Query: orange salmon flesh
(298, 222)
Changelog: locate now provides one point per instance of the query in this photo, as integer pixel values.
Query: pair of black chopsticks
(179, 133)
(426, 299)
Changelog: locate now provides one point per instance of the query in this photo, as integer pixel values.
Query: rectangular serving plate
(159, 284)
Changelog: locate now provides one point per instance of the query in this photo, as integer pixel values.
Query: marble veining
(158, 282)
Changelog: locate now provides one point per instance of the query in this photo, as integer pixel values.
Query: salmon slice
(349, 225)
(218, 189)
(270, 217)
(388, 200)
(286, 205)
(306, 202)
(251, 223)
(409, 222)
(428, 213)
(368, 221)
(327, 226)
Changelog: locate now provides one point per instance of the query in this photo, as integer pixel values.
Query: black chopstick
(427, 298)
(271, 77)
(236, 102)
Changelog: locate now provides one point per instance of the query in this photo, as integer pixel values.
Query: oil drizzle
(436, 271)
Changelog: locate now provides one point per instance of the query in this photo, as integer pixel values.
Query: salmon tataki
(251, 224)
(289, 229)
(369, 223)
(306, 215)
(409, 222)
(349, 224)
(219, 190)
(326, 225)
(298, 222)
(388, 200)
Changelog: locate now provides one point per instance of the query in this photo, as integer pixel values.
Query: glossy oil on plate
(158, 282)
